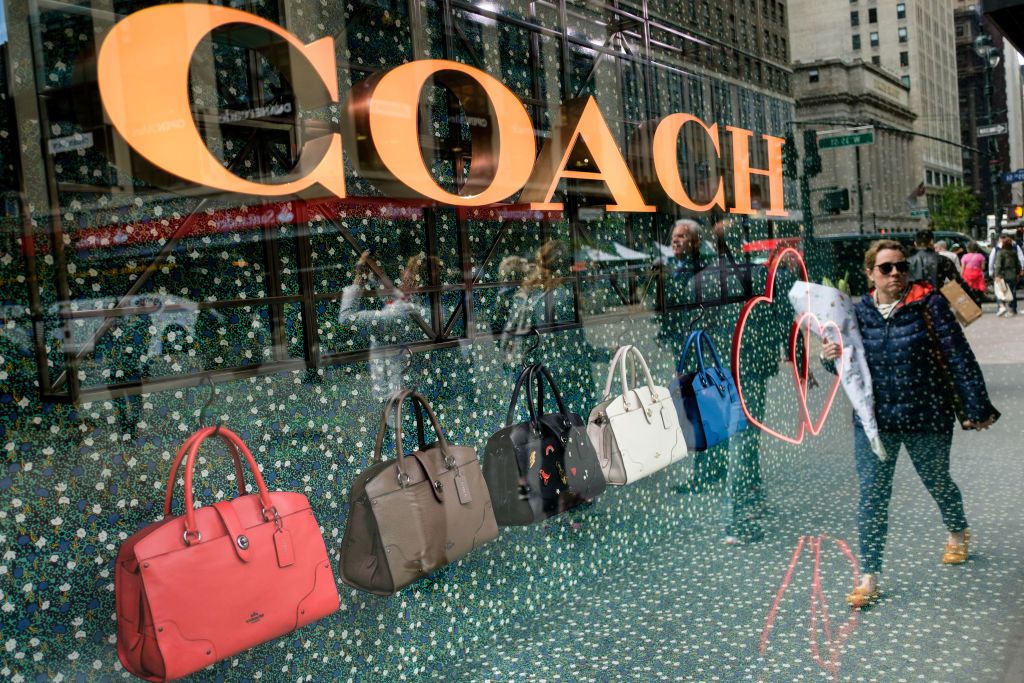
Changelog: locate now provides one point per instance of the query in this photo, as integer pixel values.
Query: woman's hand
(830, 350)
(968, 424)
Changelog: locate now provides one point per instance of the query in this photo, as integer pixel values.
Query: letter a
(583, 117)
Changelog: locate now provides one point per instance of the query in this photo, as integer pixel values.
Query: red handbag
(199, 587)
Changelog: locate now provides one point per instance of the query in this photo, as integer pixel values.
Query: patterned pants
(930, 455)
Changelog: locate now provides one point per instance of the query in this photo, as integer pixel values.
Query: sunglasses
(887, 268)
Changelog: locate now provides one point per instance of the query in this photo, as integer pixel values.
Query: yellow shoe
(957, 553)
(862, 597)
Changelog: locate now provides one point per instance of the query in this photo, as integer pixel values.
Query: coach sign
(143, 71)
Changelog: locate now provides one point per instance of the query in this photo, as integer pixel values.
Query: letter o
(502, 152)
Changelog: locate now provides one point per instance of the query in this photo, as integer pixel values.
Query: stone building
(834, 94)
(915, 42)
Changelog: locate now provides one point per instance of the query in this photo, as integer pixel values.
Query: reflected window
(874, 38)
(902, 33)
(812, 76)
(901, 11)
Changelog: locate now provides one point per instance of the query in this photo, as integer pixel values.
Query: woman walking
(1005, 272)
(973, 263)
(923, 371)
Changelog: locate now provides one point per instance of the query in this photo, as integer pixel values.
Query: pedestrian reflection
(387, 325)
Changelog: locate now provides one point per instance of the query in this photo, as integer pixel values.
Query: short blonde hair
(880, 245)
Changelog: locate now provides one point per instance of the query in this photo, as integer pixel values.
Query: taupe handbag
(413, 515)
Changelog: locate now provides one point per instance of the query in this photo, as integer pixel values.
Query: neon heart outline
(737, 335)
(802, 382)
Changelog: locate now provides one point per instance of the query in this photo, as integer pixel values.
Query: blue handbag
(706, 400)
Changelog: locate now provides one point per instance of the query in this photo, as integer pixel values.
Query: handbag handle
(692, 341)
(395, 404)
(622, 356)
(525, 376)
(544, 375)
(229, 437)
(697, 340)
(705, 338)
(169, 493)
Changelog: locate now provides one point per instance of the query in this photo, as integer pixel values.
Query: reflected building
(869, 178)
(915, 42)
(988, 95)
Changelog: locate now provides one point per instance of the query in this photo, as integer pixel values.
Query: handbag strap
(703, 339)
(169, 493)
(622, 356)
(544, 375)
(526, 375)
(693, 341)
(395, 405)
(229, 437)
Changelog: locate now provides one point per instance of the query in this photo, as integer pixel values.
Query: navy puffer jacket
(912, 392)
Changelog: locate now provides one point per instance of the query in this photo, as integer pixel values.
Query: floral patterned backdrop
(79, 478)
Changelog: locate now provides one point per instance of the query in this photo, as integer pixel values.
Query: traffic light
(835, 201)
(812, 159)
(1018, 211)
(789, 157)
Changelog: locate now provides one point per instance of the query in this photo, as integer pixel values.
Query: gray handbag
(417, 513)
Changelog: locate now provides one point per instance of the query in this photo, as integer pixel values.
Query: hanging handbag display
(205, 585)
(635, 433)
(707, 402)
(543, 466)
(417, 513)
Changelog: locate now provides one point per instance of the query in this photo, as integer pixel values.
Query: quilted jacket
(912, 391)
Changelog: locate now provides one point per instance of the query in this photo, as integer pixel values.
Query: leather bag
(635, 433)
(199, 587)
(707, 402)
(543, 466)
(417, 513)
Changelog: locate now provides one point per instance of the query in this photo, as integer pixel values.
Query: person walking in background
(973, 263)
(997, 245)
(1005, 272)
(926, 264)
(922, 371)
(942, 249)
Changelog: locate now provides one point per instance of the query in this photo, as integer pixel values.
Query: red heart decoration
(800, 366)
(800, 378)
(737, 338)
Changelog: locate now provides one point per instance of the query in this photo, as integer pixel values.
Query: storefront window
(443, 288)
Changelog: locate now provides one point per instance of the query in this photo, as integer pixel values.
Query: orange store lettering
(145, 94)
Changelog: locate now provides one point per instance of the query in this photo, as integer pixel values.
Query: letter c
(143, 69)
(665, 164)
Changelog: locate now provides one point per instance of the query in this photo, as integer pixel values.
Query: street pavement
(689, 607)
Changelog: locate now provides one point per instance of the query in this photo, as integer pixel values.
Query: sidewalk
(687, 607)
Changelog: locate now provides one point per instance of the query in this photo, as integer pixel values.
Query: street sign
(919, 213)
(993, 129)
(1014, 176)
(830, 139)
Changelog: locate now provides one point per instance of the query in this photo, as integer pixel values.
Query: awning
(1008, 17)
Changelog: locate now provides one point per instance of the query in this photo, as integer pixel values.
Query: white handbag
(636, 433)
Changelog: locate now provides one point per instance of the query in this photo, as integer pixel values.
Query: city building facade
(915, 41)
(990, 98)
(833, 96)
